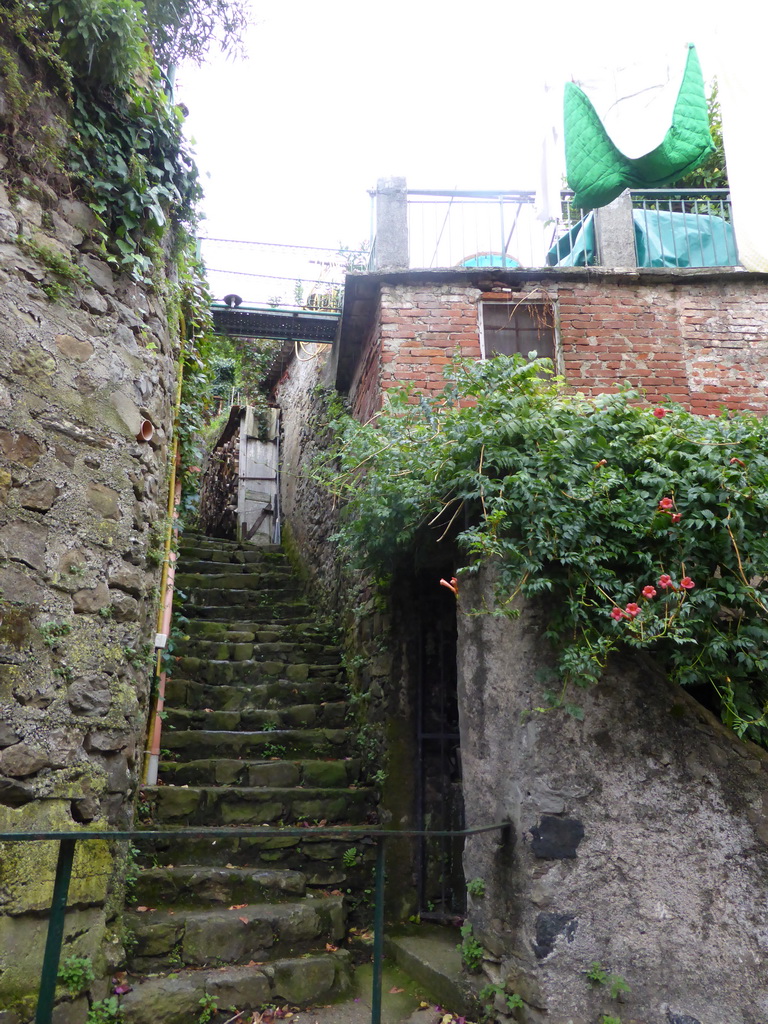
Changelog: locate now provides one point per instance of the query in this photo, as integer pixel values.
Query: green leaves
(104, 41)
(592, 502)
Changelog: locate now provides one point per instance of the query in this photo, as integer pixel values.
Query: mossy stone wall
(82, 506)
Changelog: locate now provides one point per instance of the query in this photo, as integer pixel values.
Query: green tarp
(661, 240)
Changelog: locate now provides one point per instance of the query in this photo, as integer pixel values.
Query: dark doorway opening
(439, 801)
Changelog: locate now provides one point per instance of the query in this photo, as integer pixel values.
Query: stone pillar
(615, 233)
(391, 245)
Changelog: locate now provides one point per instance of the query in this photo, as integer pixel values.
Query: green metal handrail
(68, 841)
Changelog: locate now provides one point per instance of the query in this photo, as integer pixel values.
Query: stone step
(189, 886)
(264, 581)
(201, 670)
(247, 649)
(323, 687)
(324, 861)
(221, 610)
(313, 716)
(308, 629)
(257, 932)
(323, 978)
(255, 805)
(228, 772)
(253, 735)
(262, 570)
(190, 543)
(292, 744)
(430, 955)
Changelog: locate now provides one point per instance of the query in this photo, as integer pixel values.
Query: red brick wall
(366, 385)
(422, 329)
(701, 343)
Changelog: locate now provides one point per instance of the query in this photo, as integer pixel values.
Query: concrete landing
(403, 1001)
(428, 954)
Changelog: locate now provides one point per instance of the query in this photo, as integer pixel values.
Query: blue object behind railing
(662, 239)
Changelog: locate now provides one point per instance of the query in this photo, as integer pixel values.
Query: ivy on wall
(88, 115)
(641, 528)
(117, 141)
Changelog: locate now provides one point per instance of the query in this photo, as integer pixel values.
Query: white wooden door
(258, 491)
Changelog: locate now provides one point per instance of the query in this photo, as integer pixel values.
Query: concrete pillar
(391, 245)
(615, 233)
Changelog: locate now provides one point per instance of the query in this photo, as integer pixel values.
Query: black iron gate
(440, 874)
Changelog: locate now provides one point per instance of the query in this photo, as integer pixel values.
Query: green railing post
(378, 932)
(55, 931)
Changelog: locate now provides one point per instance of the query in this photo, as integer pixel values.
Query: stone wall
(81, 523)
(308, 516)
(698, 338)
(380, 644)
(639, 837)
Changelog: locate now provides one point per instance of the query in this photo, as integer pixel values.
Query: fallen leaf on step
(330, 948)
(238, 906)
(230, 866)
(141, 910)
(244, 920)
(395, 990)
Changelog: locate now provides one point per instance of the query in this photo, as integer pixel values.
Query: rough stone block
(104, 500)
(225, 937)
(171, 1000)
(100, 273)
(22, 759)
(9, 226)
(78, 215)
(20, 448)
(25, 542)
(304, 981)
(38, 496)
(91, 695)
(91, 600)
(239, 986)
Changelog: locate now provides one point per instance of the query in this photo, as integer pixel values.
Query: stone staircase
(254, 734)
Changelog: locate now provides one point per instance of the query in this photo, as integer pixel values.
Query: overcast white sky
(336, 94)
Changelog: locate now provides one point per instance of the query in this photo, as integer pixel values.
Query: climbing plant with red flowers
(640, 527)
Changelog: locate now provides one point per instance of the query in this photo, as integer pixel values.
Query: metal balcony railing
(451, 229)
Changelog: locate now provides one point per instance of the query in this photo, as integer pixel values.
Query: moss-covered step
(248, 650)
(325, 715)
(204, 938)
(324, 686)
(255, 805)
(190, 544)
(282, 743)
(229, 607)
(190, 886)
(345, 862)
(240, 578)
(251, 672)
(229, 772)
(271, 570)
(295, 631)
(323, 978)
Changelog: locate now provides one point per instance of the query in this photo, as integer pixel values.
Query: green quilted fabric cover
(598, 172)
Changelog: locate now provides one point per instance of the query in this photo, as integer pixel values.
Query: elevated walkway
(277, 323)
